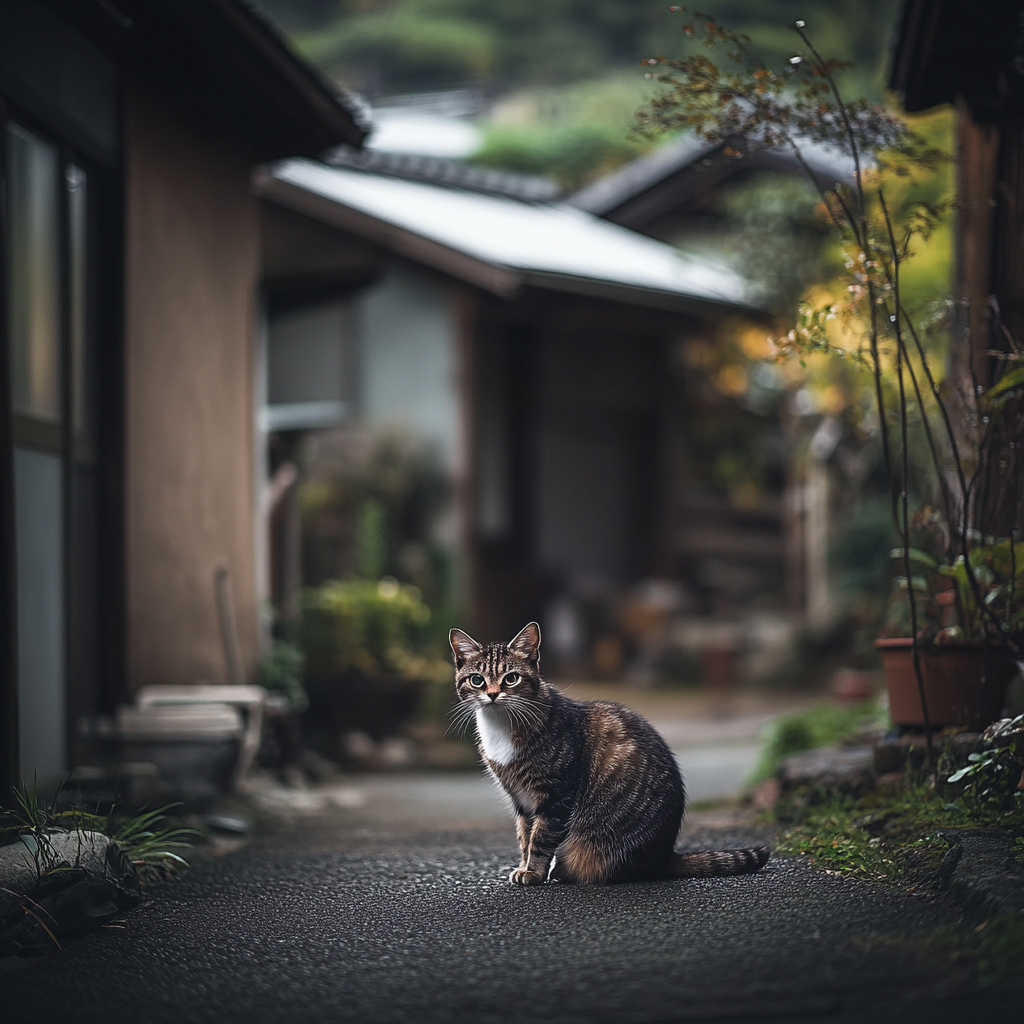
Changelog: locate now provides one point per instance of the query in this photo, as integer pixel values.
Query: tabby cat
(589, 781)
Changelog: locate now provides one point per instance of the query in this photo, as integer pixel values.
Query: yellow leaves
(832, 400)
(754, 343)
(731, 380)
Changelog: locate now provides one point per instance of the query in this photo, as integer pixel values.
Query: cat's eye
(477, 681)
(512, 679)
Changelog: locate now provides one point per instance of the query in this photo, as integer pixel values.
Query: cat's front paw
(523, 877)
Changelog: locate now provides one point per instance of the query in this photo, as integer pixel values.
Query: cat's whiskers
(525, 714)
(461, 715)
(528, 710)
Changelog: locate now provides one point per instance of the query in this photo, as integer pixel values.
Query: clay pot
(964, 684)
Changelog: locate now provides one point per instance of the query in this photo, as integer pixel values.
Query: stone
(888, 756)
(891, 783)
(986, 881)
(61, 886)
(835, 769)
(23, 862)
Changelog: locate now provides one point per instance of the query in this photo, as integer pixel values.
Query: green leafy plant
(149, 844)
(572, 155)
(374, 628)
(281, 672)
(990, 779)
(960, 598)
(371, 540)
(971, 436)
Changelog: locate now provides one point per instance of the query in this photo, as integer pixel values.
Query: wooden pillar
(977, 158)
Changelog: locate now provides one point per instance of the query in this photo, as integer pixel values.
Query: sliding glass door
(49, 340)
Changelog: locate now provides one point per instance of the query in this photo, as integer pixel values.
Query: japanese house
(130, 275)
(535, 345)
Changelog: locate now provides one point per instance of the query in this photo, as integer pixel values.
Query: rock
(23, 862)
(986, 880)
(836, 769)
(888, 756)
(891, 783)
(62, 886)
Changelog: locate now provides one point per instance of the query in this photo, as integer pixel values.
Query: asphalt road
(365, 911)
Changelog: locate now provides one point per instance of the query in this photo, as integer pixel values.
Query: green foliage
(374, 42)
(828, 837)
(817, 726)
(990, 781)
(883, 839)
(281, 672)
(572, 154)
(967, 599)
(371, 540)
(374, 628)
(769, 214)
(370, 504)
(403, 47)
(997, 570)
(148, 843)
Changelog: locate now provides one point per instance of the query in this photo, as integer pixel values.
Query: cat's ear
(526, 642)
(463, 646)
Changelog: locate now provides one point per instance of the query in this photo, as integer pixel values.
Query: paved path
(383, 900)
(394, 908)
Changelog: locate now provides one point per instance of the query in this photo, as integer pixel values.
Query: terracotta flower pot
(964, 684)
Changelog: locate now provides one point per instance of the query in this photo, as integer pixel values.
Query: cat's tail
(712, 863)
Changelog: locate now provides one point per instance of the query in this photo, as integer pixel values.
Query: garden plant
(964, 438)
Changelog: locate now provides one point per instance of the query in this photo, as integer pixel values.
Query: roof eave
(638, 295)
(498, 280)
(224, 57)
(339, 119)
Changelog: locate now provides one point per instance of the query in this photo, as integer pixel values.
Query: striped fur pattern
(596, 793)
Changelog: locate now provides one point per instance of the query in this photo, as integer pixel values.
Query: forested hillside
(382, 47)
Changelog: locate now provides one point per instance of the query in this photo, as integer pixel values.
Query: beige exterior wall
(191, 277)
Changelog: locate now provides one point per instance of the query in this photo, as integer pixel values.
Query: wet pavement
(345, 919)
(384, 899)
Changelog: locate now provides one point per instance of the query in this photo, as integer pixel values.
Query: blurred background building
(498, 351)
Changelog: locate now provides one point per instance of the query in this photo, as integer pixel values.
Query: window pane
(39, 529)
(78, 312)
(33, 258)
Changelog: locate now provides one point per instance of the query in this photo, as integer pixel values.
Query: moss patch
(896, 839)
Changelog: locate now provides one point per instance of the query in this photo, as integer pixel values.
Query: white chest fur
(495, 733)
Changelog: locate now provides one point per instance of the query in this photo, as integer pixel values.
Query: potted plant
(966, 437)
(968, 649)
(369, 662)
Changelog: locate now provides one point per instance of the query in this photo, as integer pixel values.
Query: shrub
(373, 628)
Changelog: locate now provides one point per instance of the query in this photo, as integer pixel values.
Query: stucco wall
(192, 269)
(410, 359)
